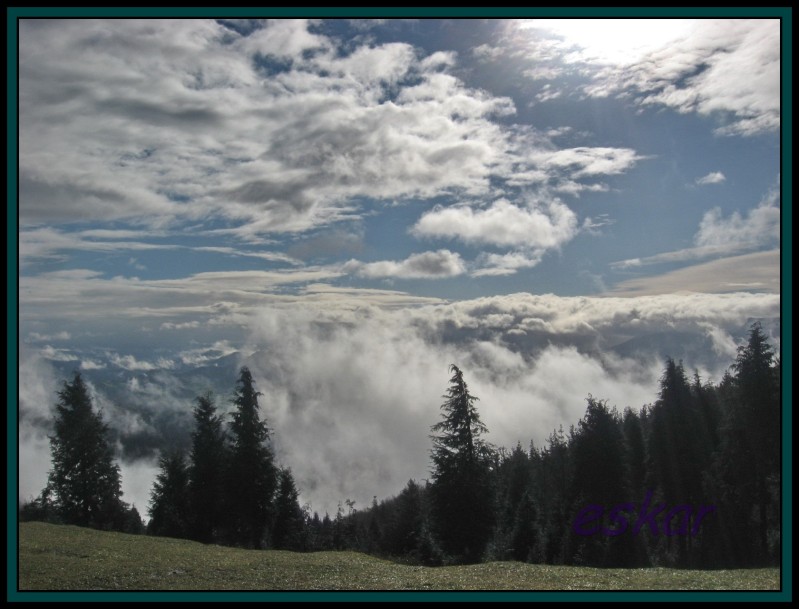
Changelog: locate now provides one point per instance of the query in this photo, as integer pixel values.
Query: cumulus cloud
(427, 265)
(198, 117)
(714, 177)
(269, 126)
(540, 226)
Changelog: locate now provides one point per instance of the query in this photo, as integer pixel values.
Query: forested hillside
(690, 480)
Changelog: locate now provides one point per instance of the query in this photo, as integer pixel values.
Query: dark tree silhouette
(207, 465)
(597, 449)
(84, 485)
(252, 476)
(461, 494)
(289, 527)
(747, 468)
(169, 502)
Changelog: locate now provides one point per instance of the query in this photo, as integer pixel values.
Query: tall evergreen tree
(84, 484)
(169, 505)
(556, 519)
(597, 449)
(252, 476)
(207, 464)
(461, 494)
(289, 527)
(755, 419)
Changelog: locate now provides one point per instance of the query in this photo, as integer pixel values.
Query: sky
(349, 206)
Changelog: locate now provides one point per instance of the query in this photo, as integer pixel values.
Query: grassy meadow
(53, 557)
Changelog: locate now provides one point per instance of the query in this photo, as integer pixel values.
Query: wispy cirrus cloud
(714, 177)
(726, 68)
(756, 272)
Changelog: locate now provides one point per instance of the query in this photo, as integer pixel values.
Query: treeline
(692, 480)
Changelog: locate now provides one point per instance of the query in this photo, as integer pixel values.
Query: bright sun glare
(614, 41)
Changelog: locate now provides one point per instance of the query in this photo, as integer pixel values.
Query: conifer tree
(169, 505)
(252, 476)
(289, 527)
(461, 495)
(84, 483)
(207, 465)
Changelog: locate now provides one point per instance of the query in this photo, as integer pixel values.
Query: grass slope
(55, 557)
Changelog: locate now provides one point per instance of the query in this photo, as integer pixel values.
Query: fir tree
(169, 505)
(252, 476)
(461, 495)
(84, 484)
(207, 463)
(289, 527)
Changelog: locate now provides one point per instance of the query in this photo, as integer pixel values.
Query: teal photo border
(13, 14)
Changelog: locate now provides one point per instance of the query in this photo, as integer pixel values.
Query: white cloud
(88, 364)
(58, 355)
(129, 362)
(352, 400)
(724, 67)
(584, 162)
(488, 52)
(427, 265)
(283, 38)
(548, 93)
(540, 226)
(714, 177)
(195, 118)
(757, 272)
(718, 236)
(186, 325)
(504, 264)
(609, 41)
(49, 337)
(351, 389)
(760, 227)
(277, 130)
(48, 242)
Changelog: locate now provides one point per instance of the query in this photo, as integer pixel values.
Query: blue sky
(187, 186)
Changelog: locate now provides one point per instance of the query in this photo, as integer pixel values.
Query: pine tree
(289, 527)
(169, 505)
(207, 464)
(757, 414)
(597, 449)
(84, 484)
(252, 475)
(461, 494)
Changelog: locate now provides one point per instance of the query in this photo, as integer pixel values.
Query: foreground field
(70, 558)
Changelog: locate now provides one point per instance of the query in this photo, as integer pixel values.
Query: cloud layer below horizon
(351, 393)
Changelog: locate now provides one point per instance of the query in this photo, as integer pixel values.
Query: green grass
(53, 557)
